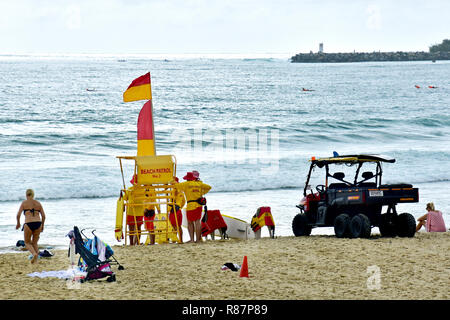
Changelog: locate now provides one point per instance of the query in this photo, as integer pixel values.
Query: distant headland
(437, 52)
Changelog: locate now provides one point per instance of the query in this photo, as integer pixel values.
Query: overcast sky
(220, 26)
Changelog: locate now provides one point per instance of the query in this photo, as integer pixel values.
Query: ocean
(243, 122)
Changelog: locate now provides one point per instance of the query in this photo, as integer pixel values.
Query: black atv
(354, 207)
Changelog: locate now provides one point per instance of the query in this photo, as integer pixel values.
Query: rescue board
(236, 228)
(119, 218)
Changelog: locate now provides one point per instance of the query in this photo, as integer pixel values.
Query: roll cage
(349, 160)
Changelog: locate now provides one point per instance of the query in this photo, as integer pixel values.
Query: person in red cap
(194, 191)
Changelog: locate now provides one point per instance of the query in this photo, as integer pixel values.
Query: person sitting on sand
(432, 220)
(34, 223)
(194, 191)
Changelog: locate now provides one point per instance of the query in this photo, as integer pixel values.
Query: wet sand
(285, 268)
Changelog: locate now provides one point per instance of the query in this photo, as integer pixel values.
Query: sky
(220, 26)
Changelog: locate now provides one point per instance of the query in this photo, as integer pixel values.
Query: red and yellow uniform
(150, 209)
(134, 216)
(193, 190)
(180, 201)
(135, 213)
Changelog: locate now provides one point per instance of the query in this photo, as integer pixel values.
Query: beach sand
(285, 268)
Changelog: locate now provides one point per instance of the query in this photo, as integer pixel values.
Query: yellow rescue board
(119, 218)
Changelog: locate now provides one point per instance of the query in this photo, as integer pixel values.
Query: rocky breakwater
(370, 56)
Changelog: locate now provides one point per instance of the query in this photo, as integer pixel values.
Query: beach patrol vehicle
(354, 205)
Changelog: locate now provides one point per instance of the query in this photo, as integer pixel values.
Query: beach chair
(95, 257)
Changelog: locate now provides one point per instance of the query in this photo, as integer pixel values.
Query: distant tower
(320, 47)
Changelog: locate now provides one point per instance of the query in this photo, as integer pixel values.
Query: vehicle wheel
(300, 225)
(360, 226)
(406, 225)
(342, 225)
(387, 226)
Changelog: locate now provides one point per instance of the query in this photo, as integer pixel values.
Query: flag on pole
(145, 131)
(139, 89)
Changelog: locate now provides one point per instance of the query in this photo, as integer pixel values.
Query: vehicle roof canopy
(358, 158)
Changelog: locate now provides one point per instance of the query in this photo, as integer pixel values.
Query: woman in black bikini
(33, 225)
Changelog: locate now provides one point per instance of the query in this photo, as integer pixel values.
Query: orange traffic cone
(244, 268)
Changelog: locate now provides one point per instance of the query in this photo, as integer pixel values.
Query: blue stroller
(96, 257)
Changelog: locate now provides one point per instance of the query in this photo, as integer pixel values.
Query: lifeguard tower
(149, 199)
(152, 188)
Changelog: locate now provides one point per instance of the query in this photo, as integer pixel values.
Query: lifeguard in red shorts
(150, 212)
(194, 190)
(138, 215)
(180, 201)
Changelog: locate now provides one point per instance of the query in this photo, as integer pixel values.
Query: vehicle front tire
(406, 225)
(360, 226)
(342, 225)
(300, 225)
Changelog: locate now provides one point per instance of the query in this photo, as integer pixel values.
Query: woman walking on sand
(33, 225)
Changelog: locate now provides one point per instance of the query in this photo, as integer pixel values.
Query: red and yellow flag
(145, 131)
(139, 89)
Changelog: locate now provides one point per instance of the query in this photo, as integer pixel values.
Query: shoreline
(285, 268)
(99, 214)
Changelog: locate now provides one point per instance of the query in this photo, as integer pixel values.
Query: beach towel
(60, 274)
(435, 222)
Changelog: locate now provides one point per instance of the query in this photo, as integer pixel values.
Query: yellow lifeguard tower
(151, 196)
(153, 189)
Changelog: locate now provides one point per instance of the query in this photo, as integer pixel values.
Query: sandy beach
(285, 268)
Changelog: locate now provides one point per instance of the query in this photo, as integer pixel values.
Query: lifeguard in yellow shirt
(180, 201)
(194, 191)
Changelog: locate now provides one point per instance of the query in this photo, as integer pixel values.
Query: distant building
(320, 47)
